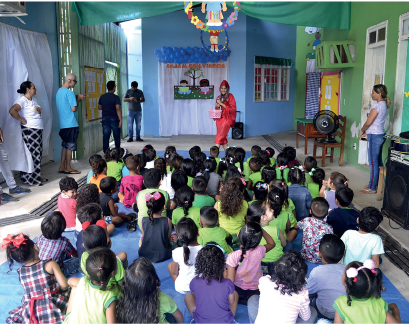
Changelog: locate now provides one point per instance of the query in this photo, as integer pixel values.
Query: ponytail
(186, 251)
(388, 102)
(184, 198)
(187, 232)
(160, 164)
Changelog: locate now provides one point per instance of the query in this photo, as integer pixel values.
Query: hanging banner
(94, 88)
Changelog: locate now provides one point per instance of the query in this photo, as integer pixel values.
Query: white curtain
(187, 116)
(24, 55)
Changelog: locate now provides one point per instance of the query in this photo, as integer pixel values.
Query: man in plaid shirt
(56, 247)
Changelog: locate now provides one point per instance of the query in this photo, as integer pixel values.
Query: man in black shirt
(134, 97)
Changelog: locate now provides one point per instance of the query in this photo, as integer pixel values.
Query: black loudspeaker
(238, 130)
(396, 197)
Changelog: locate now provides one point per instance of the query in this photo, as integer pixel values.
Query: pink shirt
(67, 206)
(284, 309)
(249, 271)
(130, 186)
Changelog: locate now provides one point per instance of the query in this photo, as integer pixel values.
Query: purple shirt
(330, 197)
(212, 301)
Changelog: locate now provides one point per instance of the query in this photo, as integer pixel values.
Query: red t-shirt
(67, 207)
(130, 186)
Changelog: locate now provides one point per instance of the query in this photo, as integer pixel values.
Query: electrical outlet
(354, 146)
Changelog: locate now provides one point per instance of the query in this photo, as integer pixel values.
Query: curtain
(24, 55)
(329, 14)
(273, 61)
(187, 116)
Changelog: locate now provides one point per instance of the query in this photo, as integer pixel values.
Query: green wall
(363, 16)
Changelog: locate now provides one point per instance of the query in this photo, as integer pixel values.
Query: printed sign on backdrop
(94, 87)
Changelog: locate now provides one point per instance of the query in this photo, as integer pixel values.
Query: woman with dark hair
(28, 112)
(226, 102)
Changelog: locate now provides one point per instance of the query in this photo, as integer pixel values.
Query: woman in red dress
(226, 102)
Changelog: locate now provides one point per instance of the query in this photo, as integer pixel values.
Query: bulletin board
(94, 88)
(330, 91)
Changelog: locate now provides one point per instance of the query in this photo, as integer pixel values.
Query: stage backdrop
(188, 116)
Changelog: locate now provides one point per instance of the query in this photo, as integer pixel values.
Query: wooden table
(306, 129)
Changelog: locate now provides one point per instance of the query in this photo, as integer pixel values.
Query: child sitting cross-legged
(201, 200)
(324, 284)
(212, 178)
(343, 218)
(284, 294)
(53, 246)
(131, 184)
(244, 265)
(364, 244)
(210, 232)
(156, 230)
(142, 301)
(91, 161)
(314, 228)
(184, 199)
(212, 298)
(67, 201)
(114, 164)
(42, 281)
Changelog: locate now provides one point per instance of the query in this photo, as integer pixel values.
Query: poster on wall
(330, 91)
(94, 88)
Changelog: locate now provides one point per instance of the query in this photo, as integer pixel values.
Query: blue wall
(42, 18)
(271, 40)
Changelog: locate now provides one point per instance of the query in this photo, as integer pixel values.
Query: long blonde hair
(381, 89)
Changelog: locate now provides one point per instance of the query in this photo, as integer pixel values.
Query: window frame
(279, 69)
(376, 29)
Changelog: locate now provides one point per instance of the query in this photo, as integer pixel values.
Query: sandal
(367, 191)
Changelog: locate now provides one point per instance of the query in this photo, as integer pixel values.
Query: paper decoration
(95, 87)
(406, 94)
(203, 91)
(310, 31)
(180, 55)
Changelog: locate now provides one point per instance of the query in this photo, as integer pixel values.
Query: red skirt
(223, 128)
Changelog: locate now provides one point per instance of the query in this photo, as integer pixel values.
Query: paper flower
(200, 25)
(195, 20)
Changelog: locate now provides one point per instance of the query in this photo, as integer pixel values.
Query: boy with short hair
(254, 152)
(209, 232)
(314, 228)
(67, 201)
(53, 246)
(199, 186)
(324, 284)
(91, 160)
(343, 218)
(363, 244)
(214, 152)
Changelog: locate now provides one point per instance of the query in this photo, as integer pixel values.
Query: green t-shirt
(277, 251)
(193, 213)
(90, 304)
(255, 177)
(308, 179)
(233, 224)
(291, 208)
(202, 200)
(314, 189)
(272, 162)
(216, 234)
(166, 305)
(141, 202)
(190, 181)
(167, 169)
(369, 311)
(248, 159)
(245, 171)
(279, 176)
(114, 169)
(217, 164)
(281, 221)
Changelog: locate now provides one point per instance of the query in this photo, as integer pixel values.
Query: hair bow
(207, 158)
(268, 152)
(264, 185)
(301, 168)
(100, 223)
(16, 241)
(218, 246)
(155, 195)
(282, 167)
(346, 182)
(353, 272)
(243, 181)
(312, 171)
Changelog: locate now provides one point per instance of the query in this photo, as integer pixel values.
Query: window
(271, 81)
(377, 35)
(64, 39)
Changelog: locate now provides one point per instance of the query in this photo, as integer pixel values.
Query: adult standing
(226, 102)
(28, 112)
(134, 97)
(8, 175)
(110, 104)
(67, 105)
(373, 131)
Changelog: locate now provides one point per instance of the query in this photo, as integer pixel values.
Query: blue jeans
(108, 125)
(134, 116)
(375, 144)
(71, 266)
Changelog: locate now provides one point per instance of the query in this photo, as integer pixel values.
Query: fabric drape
(227, 120)
(24, 55)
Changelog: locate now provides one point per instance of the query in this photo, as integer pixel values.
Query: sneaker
(139, 139)
(132, 225)
(8, 198)
(18, 190)
(129, 140)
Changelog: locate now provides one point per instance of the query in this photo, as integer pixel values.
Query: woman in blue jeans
(373, 131)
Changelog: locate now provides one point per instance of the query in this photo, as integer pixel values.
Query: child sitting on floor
(299, 193)
(291, 154)
(244, 265)
(156, 230)
(268, 174)
(52, 245)
(260, 192)
(150, 156)
(99, 168)
(270, 151)
(255, 165)
(142, 301)
(363, 303)
(211, 232)
(343, 218)
(324, 292)
(282, 167)
(165, 177)
(214, 152)
(93, 301)
(239, 156)
(363, 244)
(254, 152)
(283, 295)
(114, 164)
(91, 161)
(184, 199)
(213, 179)
(212, 298)
(198, 159)
(199, 186)
(169, 152)
(193, 151)
(310, 163)
(182, 268)
(67, 201)
(188, 166)
(317, 177)
(37, 278)
(335, 182)
(314, 228)
(265, 159)
(131, 184)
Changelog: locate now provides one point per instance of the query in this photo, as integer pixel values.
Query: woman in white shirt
(28, 112)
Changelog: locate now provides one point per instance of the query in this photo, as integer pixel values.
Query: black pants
(244, 295)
